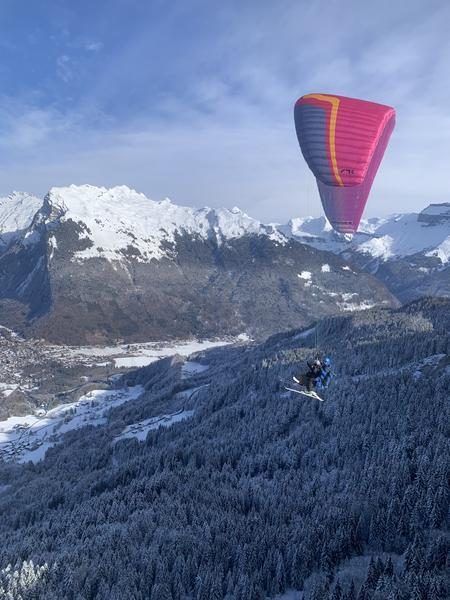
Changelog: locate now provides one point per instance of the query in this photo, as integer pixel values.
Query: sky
(193, 99)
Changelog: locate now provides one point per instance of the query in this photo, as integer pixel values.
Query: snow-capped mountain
(396, 236)
(94, 264)
(17, 212)
(120, 220)
(415, 245)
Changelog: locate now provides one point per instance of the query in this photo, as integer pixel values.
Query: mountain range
(409, 252)
(89, 265)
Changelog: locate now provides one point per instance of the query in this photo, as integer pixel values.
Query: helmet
(317, 362)
(327, 361)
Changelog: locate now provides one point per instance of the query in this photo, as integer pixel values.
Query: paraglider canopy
(343, 140)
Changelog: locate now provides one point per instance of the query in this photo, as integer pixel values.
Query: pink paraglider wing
(343, 140)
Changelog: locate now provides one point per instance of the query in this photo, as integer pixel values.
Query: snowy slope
(110, 264)
(29, 437)
(120, 220)
(17, 212)
(404, 235)
(169, 271)
(396, 236)
(140, 430)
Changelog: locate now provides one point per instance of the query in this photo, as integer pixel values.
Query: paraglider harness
(318, 376)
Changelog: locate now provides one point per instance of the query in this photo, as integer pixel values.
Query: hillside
(253, 492)
(94, 265)
(410, 253)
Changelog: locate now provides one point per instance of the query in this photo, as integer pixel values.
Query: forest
(261, 491)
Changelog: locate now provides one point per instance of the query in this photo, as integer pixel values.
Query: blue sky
(193, 99)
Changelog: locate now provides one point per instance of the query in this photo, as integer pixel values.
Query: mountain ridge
(95, 264)
(377, 237)
(427, 231)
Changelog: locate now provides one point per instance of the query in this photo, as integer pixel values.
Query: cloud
(64, 68)
(93, 46)
(25, 129)
(200, 107)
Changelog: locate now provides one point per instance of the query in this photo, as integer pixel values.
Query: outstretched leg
(309, 382)
(300, 379)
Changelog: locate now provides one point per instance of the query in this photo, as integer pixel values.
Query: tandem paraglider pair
(317, 377)
(343, 141)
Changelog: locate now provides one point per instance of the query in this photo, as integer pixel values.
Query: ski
(305, 393)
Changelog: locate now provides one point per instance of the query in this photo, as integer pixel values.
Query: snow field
(29, 437)
(140, 430)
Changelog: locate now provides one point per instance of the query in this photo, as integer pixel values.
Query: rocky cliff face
(95, 265)
(435, 214)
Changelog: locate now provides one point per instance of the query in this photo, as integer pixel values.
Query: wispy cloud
(25, 129)
(197, 103)
(93, 46)
(64, 68)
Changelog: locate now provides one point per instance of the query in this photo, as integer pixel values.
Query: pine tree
(319, 592)
(364, 593)
(372, 575)
(435, 591)
(337, 592)
(215, 591)
(417, 592)
(161, 591)
(389, 567)
(351, 592)
(297, 578)
(280, 575)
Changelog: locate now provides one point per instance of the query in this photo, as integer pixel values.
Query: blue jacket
(324, 378)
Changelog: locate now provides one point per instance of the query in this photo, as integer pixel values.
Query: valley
(212, 442)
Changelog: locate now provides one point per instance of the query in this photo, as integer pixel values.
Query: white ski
(305, 393)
